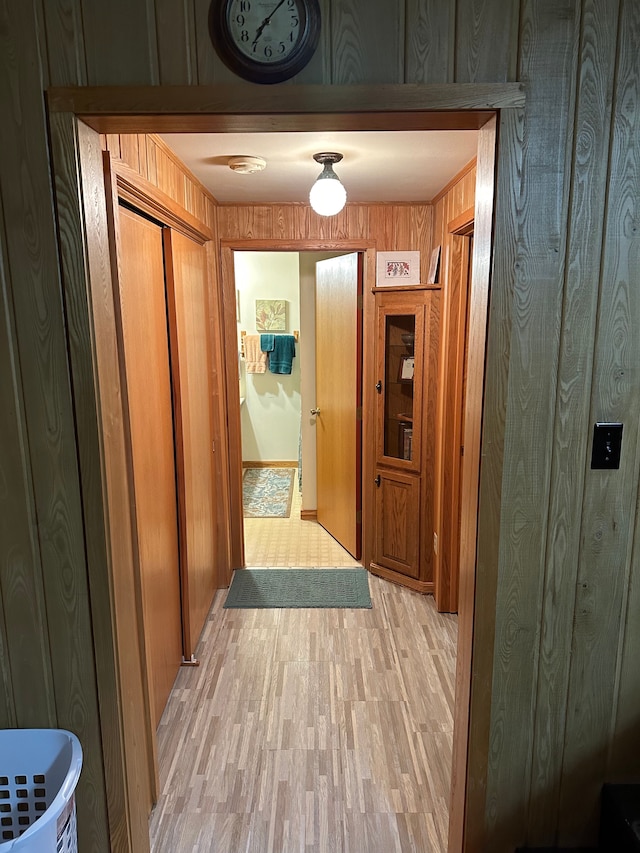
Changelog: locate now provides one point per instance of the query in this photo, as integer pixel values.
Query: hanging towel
(255, 359)
(266, 342)
(284, 350)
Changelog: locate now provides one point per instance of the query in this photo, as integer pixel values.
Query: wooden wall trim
(128, 594)
(75, 256)
(187, 102)
(275, 245)
(462, 224)
(458, 203)
(423, 587)
(233, 416)
(475, 648)
(304, 205)
(221, 395)
(368, 405)
(142, 194)
(209, 122)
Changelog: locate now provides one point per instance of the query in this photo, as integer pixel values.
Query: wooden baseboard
(277, 464)
(425, 587)
(308, 514)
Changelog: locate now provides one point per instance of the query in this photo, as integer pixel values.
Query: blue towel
(282, 355)
(266, 342)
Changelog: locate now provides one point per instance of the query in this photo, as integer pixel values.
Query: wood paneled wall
(457, 197)
(393, 227)
(558, 575)
(150, 157)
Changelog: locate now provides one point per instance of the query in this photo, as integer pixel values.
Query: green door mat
(261, 588)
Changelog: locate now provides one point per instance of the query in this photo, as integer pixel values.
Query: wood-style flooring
(311, 730)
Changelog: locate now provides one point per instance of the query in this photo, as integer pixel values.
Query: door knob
(379, 386)
(314, 412)
(376, 480)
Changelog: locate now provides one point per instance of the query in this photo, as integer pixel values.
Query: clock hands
(266, 21)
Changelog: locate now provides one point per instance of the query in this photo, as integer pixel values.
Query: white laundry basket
(39, 771)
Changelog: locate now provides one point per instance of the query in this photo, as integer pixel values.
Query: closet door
(146, 357)
(187, 297)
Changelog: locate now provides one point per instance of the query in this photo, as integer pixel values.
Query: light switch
(607, 442)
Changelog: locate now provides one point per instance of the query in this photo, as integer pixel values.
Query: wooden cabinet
(397, 522)
(407, 329)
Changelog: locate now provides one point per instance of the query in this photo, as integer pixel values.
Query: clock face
(265, 41)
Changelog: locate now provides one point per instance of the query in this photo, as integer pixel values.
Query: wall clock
(265, 41)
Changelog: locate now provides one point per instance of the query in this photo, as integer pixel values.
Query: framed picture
(271, 315)
(434, 266)
(393, 268)
(407, 366)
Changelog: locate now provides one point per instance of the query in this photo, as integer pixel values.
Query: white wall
(271, 411)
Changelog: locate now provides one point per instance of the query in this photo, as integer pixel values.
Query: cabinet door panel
(398, 522)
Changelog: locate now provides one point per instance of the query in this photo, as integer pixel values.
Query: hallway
(311, 730)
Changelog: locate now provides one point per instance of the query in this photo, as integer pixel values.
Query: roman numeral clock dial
(265, 41)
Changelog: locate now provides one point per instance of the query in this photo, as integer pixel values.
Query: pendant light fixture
(327, 196)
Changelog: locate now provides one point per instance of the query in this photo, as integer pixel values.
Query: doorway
(302, 430)
(75, 284)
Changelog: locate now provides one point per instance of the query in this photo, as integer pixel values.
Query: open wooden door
(339, 399)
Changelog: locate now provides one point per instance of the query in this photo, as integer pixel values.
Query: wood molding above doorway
(246, 109)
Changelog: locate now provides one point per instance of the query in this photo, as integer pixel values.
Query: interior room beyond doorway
(278, 427)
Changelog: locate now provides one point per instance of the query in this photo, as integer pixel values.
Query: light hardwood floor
(311, 730)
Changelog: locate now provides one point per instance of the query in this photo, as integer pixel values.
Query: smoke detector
(246, 165)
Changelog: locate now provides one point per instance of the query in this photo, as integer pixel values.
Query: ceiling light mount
(246, 164)
(329, 157)
(327, 196)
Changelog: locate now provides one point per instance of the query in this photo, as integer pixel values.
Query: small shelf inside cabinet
(405, 288)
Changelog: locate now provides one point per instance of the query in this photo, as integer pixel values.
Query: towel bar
(296, 335)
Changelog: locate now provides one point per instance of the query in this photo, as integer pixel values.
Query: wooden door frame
(446, 581)
(73, 113)
(227, 248)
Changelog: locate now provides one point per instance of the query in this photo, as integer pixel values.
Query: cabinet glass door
(400, 334)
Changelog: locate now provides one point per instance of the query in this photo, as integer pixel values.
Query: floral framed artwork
(271, 315)
(394, 268)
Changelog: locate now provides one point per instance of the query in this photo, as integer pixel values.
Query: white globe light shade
(327, 196)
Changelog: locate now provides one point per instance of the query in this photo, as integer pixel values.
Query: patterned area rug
(265, 588)
(267, 492)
